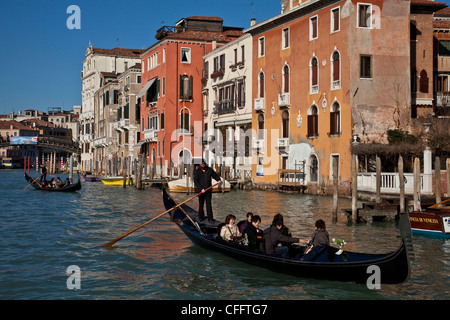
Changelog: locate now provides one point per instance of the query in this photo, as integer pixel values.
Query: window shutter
(310, 125)
(190, 86)
(181, 86)
(158, 86)
(332, 123)
(314, 75)
(336, 66)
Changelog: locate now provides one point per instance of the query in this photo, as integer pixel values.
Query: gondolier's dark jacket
(202, 178)
(273, 236)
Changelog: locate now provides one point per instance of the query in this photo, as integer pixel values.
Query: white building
(98, 60)
(227, 106)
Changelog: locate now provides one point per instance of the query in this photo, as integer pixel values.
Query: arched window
(314, 75)
(261, 84)
(285, 124)
(336, 70)
(313, 122)
(185, 120)
(286, 79)
(423, 81)
(335, 119)
(260, 127)
(313, 168)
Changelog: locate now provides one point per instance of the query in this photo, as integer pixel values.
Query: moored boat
(348, 266)
(40, 186)
(434, 220)
(115, 181)
(91, 178)
(179, 185)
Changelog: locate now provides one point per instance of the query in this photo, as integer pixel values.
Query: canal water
(43, 234)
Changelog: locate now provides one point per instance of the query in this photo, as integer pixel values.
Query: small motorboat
(91, 178)
(434, 220)
(115, 181)
(179, 185)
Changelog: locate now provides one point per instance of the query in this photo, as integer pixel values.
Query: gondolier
(202, 181)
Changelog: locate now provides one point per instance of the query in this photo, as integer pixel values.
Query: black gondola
(68, 188)
(348, 266)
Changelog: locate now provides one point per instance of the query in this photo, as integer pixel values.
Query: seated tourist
(273, 237)
(230, 231)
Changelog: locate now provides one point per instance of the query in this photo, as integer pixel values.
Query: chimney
(252, 22)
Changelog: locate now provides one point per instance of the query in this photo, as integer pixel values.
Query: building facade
(326, 73)
(227, 106)
(171, 93)
(98, 60)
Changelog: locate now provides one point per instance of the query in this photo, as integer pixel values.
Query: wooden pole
(335, 187)
(448, 176)
(437, 179)
(223, 175)
(124, 172)
(354, 189)
(402, 184)
(416, 184)
(378, 179)
(187, 178)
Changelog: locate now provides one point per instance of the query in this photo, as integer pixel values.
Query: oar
(33, 181)
(159, 215)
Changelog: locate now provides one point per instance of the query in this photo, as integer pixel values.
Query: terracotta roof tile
(428, 3)
(120, 52)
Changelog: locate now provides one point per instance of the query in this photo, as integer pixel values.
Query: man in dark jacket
(273, 237)
(202, 181)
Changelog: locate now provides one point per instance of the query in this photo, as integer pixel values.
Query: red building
(171, 94)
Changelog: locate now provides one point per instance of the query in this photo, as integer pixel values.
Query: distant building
(98, 60)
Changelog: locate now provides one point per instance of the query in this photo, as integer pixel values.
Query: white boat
(179, 185)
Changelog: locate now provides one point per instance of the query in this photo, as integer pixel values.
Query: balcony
(283, 145)
(442, 108)
(259, 104)
(151, 135)
(258, 144)
(100, 142)
(225, 106)
(284, 100)
(124, 124)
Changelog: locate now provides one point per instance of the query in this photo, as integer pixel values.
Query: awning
(146, 87)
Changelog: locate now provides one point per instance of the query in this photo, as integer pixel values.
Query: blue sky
(41, 59)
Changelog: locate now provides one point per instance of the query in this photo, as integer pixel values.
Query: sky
(41, 58)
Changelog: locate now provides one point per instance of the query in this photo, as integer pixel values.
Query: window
(314, 75)
(261, 47)
(334, 158)
(313, 122)
(240, 94)
(164, 55)
(184, 119)
(242, 54)
(163, 89)
(286, 79)
(364, 15)
(185, 55)
(285, 39)
(285, 124)
(335, 70)
(261, 85)
(186, 87)
(335, 20)
(335, 119)
(423, 82)
(444, 47)
(260, 127)
(313, 28)
(366, 67)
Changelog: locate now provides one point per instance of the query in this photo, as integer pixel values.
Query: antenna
(252, 5)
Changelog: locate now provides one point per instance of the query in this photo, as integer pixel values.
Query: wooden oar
(159, 215)
(33, 181)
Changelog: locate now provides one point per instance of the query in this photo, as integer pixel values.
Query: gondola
(348, 266)
(68, 188)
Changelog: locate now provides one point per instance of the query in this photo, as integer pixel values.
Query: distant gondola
(348, 266)
(68, 188)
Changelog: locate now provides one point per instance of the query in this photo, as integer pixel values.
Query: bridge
(49, 142)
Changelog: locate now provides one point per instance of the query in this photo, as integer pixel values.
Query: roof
(119, 52)
(204, 18)
(441, 24)
(442, 13)
(224, 36)
(15, 125)
(428, 3)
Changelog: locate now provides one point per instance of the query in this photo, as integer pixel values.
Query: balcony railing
(151, 135)
(225, 106)
(283, 144)
(259, 104)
